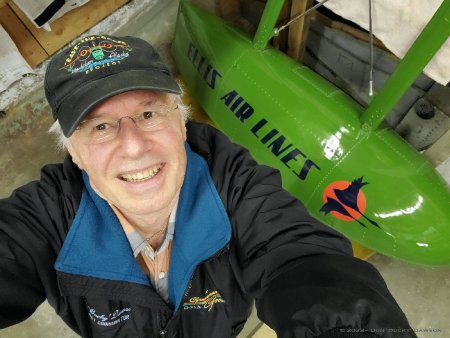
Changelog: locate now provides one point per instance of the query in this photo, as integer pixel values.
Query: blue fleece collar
(96, 245)
(202, 226)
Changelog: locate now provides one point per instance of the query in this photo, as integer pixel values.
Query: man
(150, 228)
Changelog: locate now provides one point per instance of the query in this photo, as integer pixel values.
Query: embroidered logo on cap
(95, 52)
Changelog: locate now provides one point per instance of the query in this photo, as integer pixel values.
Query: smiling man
(139, 174)
(157, 228)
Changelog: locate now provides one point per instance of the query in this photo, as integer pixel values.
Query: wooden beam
(229, 9)
(298, 30)
(354, 32)
(72, 24)
(27, 45)
(281, 40)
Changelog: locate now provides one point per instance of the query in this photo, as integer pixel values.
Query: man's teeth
(141, 176)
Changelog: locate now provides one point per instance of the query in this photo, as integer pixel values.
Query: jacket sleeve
(31, 233)
(302, 274)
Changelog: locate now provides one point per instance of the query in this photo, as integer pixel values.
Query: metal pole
(268, 21)
(301, 15)
(419, 54)
(371, 50)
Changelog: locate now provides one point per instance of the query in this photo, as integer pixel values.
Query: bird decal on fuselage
(346, 202)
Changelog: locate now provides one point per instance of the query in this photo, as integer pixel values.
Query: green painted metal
(420, 53)
(265, 29)
(369, 184)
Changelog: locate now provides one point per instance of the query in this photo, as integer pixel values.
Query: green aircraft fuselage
(360, 178)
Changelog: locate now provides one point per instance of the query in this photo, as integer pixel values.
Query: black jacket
(300, 273)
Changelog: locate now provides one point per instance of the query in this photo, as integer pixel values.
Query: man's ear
(74, 154)
(183, 126)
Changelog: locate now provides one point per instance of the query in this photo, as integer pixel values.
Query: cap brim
(79, 103)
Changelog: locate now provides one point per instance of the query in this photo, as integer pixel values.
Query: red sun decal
(330, 192)
(345, 200)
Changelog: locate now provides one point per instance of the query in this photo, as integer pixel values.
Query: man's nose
(132, 139)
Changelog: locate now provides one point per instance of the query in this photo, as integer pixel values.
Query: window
(243, 14)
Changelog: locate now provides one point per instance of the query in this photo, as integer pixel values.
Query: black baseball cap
(98, 67)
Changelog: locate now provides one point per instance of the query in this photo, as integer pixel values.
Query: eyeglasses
(104, 129)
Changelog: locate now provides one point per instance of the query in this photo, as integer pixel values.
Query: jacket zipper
(189, 285)
(163, 332)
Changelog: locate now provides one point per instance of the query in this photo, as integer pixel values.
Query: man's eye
(147, 115)
(101, 127)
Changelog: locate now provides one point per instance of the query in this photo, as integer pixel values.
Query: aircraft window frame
(244, 15)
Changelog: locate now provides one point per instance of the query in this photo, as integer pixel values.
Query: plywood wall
(36, 44)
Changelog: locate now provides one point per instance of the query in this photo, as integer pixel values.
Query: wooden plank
(27, 45)
(3, 3)
(72, 24)
(229, 9)
(298, 30)
(356, 33)
(281, 40)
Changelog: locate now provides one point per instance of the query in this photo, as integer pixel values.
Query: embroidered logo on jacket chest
(207, 302)
(114, 318)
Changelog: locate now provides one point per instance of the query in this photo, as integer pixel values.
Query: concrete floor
(422, 292)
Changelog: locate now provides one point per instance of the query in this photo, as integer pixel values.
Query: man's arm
(302, 273)
(33, 225)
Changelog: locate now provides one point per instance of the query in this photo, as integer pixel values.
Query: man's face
(139, 172)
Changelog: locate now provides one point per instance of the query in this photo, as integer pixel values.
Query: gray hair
(63, 141)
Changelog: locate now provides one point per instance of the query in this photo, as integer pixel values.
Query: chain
(156, 233)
